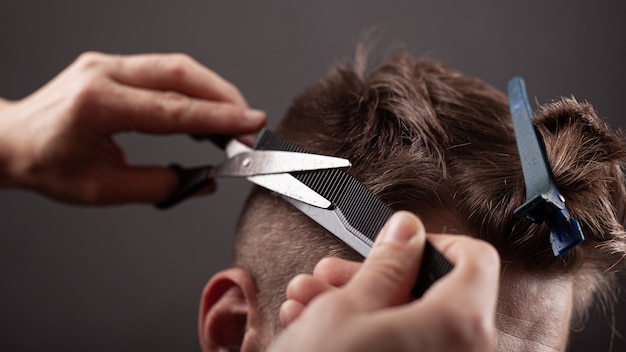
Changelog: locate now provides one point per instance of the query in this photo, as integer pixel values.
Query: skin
(363, 306)
(539, 320)
(533, 311)
(59, 140)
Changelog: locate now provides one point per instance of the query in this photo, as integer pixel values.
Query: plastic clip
(544, 203)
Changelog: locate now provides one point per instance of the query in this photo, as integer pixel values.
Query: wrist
(8, 150)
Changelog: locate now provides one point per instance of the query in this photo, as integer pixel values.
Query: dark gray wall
(129, 278)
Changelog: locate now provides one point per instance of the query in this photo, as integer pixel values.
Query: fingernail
(400, 228)
(254, 115)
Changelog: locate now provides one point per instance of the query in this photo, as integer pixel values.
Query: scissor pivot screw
(246, 162)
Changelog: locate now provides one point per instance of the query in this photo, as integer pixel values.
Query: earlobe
(226, 311)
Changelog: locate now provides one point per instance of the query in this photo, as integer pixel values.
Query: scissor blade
(261, 162)
(282, 182)
(289, 186)
(234, 147)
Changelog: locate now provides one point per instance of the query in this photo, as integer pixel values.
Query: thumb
(389, 272)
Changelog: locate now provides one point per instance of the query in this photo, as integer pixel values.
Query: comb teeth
(361, 212)
(361, 208)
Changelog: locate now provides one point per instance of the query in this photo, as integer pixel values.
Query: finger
(137, 184)
(476, 272)
(387, 275)
(461, 304)
(289, 311)
(303, 288)
(247, 139)
(133, 109)
(177, 72)
(336, 271)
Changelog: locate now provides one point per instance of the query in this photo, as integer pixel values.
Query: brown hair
(426, 138)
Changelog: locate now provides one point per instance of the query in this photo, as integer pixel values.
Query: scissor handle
(219, 140)
(190, 182)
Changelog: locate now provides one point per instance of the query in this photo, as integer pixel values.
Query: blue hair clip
(544, 203)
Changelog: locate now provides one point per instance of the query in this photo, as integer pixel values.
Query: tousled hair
(426, 138)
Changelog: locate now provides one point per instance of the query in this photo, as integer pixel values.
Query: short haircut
(429, 139)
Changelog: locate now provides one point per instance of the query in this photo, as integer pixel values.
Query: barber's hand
(348, 306)
(58, 141)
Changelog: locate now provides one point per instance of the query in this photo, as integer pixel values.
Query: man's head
(428, 139)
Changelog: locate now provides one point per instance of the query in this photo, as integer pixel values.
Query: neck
(533, 312)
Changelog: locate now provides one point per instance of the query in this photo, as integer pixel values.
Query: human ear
(228, 312)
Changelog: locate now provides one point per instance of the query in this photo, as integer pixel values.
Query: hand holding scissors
(59, 140)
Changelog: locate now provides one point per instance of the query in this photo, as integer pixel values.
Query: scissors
(317, 187)
(266, 168)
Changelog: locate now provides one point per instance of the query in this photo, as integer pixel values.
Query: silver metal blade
(273, 171)
(334, 221)
(264, 162)
(235, 147)
(290, 187)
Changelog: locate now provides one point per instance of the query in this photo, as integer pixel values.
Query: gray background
(129, 278)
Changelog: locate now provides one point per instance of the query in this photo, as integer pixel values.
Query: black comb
(361, 213)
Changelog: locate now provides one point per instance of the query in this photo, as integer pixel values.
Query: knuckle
(88, 84)
(324, 266)
(296, 284)
(92, 192)
(489, 259)
(490, 253)
(390, 270)
(178, 66)
(482, 257)
(86, 94)
(174, 105)
(395, 260)
(90, 59)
